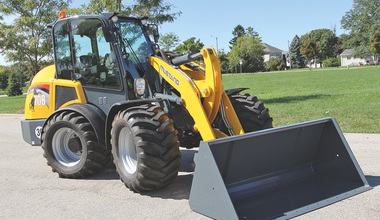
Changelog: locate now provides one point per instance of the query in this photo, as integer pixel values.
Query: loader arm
(194, 85)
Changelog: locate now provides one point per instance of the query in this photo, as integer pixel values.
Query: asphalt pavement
(30, 190)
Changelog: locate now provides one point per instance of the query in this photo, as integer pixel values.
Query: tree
(297, 60)
(190, 46)
(252, 33)
(237, 32)
(14, 87)
(338, 47)
(375, 44)
(363, 20)
(349, 41)
(275, 64)
(223, 61)
(168, 41)
(250, 51)
(157, 11)
(325, 40)
(26, 39)
(240, 31)
(4, 72)
(99, 6)
(309, 50)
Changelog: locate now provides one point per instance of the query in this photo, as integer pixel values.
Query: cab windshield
(134, 42)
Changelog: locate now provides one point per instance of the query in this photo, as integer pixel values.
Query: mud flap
(277, 173)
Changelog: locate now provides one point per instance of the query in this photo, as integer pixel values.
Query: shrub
(275, 64)
(14, 88)
(331, 62)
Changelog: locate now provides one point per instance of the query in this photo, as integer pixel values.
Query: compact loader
(113, 95)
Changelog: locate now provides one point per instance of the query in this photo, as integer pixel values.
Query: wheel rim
(127, 150)
(63, 152)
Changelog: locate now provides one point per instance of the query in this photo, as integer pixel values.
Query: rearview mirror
(156, 35)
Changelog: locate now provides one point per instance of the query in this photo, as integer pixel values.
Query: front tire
(71, 147)
(145, 148)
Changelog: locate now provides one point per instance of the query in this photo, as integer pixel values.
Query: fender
(93, 114)
(119, 106)
(234, 91)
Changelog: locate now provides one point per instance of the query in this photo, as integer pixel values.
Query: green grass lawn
(352, 95)
(12, 105)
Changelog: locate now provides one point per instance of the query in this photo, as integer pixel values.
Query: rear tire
(145, 148)
(71, 147)
(252, 114)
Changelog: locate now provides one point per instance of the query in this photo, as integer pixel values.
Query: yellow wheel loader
(113, 94)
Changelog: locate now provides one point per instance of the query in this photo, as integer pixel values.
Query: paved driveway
(29, 190)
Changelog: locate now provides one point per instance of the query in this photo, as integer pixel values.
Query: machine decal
(169, 75)
(38, 131)
(41, 96)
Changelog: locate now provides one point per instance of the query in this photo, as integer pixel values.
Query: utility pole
(217, 50)
(290, 62)
(19, 69)
(241, 65)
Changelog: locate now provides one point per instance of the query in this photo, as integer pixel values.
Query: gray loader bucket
(276, 173)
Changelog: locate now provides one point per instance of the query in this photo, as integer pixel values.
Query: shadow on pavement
(178, 190)
(373, 180)
(106, 174)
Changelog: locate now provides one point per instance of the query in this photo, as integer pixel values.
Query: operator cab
(106, 53)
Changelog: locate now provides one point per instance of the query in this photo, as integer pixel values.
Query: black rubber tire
(145, 148)
(251, 112)
(71, 147)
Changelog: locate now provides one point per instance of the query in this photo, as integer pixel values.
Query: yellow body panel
(194, 85)
(81, 98)
(213, 78)
(40, 100)
(189, 94)
(45, 75)
(194, 74)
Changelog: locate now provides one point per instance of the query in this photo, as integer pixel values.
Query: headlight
(140, 86)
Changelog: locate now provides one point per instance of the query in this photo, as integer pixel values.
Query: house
(271, 52)
(347, 59)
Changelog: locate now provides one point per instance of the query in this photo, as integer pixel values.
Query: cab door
(84, 55)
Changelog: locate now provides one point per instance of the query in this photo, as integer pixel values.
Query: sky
(276, 21)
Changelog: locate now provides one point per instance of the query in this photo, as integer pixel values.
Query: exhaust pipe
(277, 173)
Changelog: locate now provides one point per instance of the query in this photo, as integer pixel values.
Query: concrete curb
(13, 116)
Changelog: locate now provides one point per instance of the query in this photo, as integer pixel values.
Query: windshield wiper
(138, 62)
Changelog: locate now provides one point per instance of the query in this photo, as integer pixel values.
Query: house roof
(270, 49)
(347, 52)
